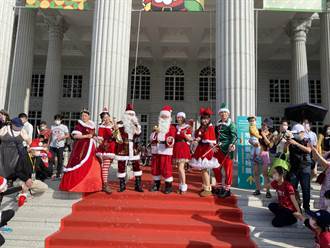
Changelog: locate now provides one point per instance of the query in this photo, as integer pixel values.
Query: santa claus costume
(127, 148)
(164, 5)
(203, 159)
(181, 151)
(83, 171)
(106, 147)
(161, 164)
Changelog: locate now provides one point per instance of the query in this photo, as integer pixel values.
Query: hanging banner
(173, 5)
(57, 4)
(245, 165)
(295, 5)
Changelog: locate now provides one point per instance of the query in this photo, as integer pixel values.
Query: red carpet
(132, 219)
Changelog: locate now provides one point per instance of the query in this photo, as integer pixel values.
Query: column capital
(298, 28)
(57, 26)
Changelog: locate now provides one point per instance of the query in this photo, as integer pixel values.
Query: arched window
(174, 84)
(142, 83)
(207, 88)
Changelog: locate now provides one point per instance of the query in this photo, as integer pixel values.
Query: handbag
(320, 178)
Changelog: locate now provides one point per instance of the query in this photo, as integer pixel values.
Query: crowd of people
(284, 158)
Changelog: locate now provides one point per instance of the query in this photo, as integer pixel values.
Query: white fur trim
(105, 155)
(37, 148)
(127, 158)
(202, 164)
(91, 144)
(75, 132)
(227, 123)
(163, 112)
(181, 114)
(90, 124)
(224, 110)
(156, 178)
(137, 173)
(183, 187)
(163, 150)
(107, 127)
(209, 141)
(169, 179)
(130, 112)
(121, 175)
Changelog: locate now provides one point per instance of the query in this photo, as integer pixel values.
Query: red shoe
(21, 200)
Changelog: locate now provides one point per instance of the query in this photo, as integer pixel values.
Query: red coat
(165, 146)
(181, 146)
(128, 149)
(107, 147)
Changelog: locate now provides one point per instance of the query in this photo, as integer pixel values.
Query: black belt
(162, 142)
(180, 140)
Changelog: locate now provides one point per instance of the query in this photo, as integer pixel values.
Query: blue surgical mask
(297, 136)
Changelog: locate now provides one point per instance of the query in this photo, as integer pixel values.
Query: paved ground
(41, 216)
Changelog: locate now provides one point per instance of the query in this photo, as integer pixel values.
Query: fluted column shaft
(235, 56)
(53, 75)
(299, 70)
(22, 63)
(7, 15)
(325, 60)
(110, 56)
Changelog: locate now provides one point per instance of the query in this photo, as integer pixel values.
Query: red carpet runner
(156, 220)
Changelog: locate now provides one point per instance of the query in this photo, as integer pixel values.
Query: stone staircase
(41, 216)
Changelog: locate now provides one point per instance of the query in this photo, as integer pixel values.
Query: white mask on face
(57, 122)
(307, 126)
(285, 127)
(328, 131)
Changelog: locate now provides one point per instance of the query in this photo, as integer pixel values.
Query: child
(319, 223)
(254, 137)
(287, 210)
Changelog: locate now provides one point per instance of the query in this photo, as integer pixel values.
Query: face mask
(57, 122)
(285, 127)
(297, 137)
(328, 132)
(42, 128)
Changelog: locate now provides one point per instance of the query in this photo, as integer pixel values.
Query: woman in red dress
(202, 158)
(181, 151)
(106, 149)
(83, 172)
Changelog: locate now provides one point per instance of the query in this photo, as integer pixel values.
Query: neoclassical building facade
(257, 61)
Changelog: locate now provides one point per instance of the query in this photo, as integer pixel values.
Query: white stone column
(7, 15)
(235, 56)
(19, 97)
(53, 75)
(110, 57)
(325, 60)
(298, 30)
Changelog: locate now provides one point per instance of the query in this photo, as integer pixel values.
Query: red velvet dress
(83, 172)
(181, 151)
(203, 156)
(106, 149)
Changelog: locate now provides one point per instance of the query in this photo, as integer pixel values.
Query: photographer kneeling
(300, 161)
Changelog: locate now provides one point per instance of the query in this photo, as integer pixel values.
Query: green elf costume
(226, 136)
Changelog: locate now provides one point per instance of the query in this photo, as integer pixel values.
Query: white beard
(129, 124)
(166, 2)
(164, 127)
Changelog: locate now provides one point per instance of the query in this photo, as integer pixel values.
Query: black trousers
(283, 216)
(58, 152)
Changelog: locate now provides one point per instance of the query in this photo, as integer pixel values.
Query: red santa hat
(166, 110)
(181, 114)
(105, 110)
(129, 109)
(36, 145)
(3, 184)
(205, 112)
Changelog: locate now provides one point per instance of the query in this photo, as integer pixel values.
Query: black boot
(168, 187)
(156, 186)
(122, 185)
(138, 184)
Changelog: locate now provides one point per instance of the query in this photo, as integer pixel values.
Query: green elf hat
(223, 108)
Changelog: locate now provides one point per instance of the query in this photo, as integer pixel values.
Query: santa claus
(164, 5)
(161, 164)
(127, 138)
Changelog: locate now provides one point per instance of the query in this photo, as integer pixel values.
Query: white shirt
(58, 131)
(28, 128)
